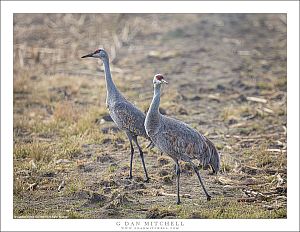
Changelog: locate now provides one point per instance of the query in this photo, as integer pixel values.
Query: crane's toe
(208, 198)
(147, 180)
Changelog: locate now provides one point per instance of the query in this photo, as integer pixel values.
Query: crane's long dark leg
(177, 170)
(142, 157)
(201, 182)
(131, 154)
(150, 145)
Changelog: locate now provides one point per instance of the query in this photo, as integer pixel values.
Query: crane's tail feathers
(214, 157)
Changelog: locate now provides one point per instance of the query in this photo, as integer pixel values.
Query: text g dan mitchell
(127, 225)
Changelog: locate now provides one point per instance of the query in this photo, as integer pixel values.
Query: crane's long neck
(152, 121)
(154, 107)
(112, 91)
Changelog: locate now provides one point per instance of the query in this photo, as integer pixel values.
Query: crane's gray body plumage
(125, 115)
(179, 140)
(128, 118)
(182, 142)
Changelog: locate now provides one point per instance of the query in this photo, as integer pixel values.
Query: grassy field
(227, 75)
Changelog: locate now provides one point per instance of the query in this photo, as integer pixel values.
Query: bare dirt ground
(227, 75)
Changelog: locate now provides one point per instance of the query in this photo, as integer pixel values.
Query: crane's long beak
(88, 55)
(164, 82)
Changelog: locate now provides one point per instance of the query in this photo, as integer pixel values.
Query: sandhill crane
(124, 114)
(178, 140)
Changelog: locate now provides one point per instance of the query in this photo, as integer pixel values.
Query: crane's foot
(178, 202)
(129, 177)
(147, 180)
(208, 198)
(213, 173)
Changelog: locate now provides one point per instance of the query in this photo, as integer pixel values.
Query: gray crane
(178, 140)
(124, 114)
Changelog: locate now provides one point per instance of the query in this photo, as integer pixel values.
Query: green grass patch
(38, 151)
(217, 208)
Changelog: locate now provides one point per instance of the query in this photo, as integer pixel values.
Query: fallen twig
(61, 186)
(158, 193)
(275, 150)
(256, 99)
(255, 137)
(32, 186)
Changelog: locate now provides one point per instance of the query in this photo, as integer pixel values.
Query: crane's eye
(97, 51)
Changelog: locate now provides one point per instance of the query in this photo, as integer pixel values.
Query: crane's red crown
(98, 50)
(159, 77)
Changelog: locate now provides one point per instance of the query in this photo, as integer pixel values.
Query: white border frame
(7, 10)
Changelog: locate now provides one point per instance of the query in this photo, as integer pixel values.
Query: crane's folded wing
(185, 141)
(128, 117)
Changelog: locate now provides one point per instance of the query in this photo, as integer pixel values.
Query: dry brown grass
(65, 111)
